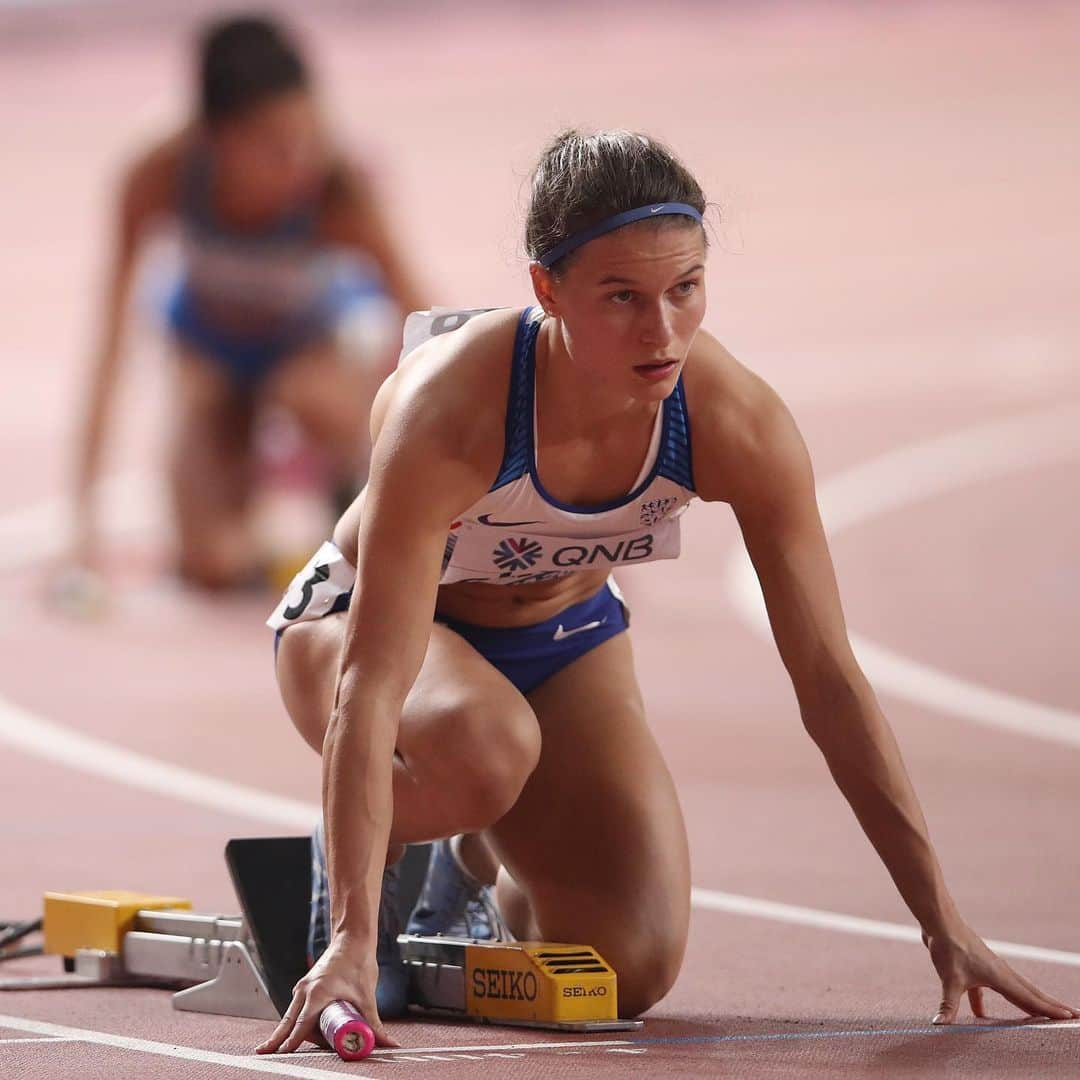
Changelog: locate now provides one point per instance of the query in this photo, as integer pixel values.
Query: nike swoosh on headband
(616, 221)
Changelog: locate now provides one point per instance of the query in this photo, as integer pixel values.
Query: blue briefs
(247, 359)
(529, 655)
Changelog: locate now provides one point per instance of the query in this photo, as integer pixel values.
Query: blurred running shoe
(453, 903)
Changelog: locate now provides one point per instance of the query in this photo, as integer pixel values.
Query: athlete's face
(630, 304)
(275, 150)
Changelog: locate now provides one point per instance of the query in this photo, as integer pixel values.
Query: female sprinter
(473, 672)
(271, 219)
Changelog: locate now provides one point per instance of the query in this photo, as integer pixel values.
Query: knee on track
(646, 968)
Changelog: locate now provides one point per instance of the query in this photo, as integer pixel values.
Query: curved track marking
(65, 746)
(905, 476)
(734, 904)
(42, 738)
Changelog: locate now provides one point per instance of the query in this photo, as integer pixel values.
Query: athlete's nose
(656, 327)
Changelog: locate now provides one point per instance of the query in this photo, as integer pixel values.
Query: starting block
(516, 983)
(246, 965)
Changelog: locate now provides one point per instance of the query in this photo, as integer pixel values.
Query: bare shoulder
(451, 392)
(744, 437)
(151, 178)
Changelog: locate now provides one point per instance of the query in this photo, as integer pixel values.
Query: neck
(572, 405)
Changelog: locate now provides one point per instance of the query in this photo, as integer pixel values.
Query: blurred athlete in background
(283, 242)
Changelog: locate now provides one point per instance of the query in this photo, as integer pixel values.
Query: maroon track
(897, 257)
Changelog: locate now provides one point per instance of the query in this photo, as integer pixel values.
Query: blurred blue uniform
(249, 299)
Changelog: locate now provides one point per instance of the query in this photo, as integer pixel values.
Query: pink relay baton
(346, 1031)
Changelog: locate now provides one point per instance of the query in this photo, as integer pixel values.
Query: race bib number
(327, 575)
(422, 326)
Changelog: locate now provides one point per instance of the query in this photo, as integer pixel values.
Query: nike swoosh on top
(560, 633)
(657, 209)
(485, 519)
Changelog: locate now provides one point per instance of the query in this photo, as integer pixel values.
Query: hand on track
(965, 963)
(343, 973)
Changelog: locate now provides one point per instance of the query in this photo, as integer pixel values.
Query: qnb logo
(503, 985)
(514, 555)
(640, 547)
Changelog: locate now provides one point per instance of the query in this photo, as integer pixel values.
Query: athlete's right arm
(433, 458)
(144, 194)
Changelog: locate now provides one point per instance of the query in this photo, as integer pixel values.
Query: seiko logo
(504, 985)
(584, 991)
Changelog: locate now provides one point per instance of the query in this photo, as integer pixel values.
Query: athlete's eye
(685, 288)
(623, 297)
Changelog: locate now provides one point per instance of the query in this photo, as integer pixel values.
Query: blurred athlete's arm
(748, 452)
(356, 217)
(144, 195)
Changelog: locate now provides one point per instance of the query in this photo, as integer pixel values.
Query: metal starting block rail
(213, 953)
(246, 965)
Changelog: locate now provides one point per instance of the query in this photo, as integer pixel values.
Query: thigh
(211, 474)
(213, 422)
(330, 398)
(596, 840)
(467, 739)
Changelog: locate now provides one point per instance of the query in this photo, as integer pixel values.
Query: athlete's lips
(657, 370)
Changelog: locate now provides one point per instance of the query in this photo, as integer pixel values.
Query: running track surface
(897, 256)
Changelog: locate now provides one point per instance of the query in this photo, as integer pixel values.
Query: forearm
(849, 728)
(92, 433)
(358, 754)
(104, 373)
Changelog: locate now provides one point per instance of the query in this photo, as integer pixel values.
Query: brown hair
(582, 179)
(242, 61)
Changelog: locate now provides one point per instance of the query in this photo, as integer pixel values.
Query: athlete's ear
(544, 287)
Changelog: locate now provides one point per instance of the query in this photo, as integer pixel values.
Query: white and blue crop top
(278, 275)
(520, 533)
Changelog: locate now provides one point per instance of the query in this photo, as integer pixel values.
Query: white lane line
(65, 746)
(502, 1047)
(31, 734)
(710, 900)
(276, 1067)
(905, 476)
(46, 1039)
(644, 1043)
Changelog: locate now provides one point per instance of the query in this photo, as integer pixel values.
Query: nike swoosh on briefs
(560, 633)
(485, 519)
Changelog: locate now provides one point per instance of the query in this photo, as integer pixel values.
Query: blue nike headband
(616, 221)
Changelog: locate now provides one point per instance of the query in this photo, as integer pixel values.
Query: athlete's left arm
(748, 452)
(355, 217)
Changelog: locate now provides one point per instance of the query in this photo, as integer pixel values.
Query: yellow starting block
(246, 965)
(519, 983)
